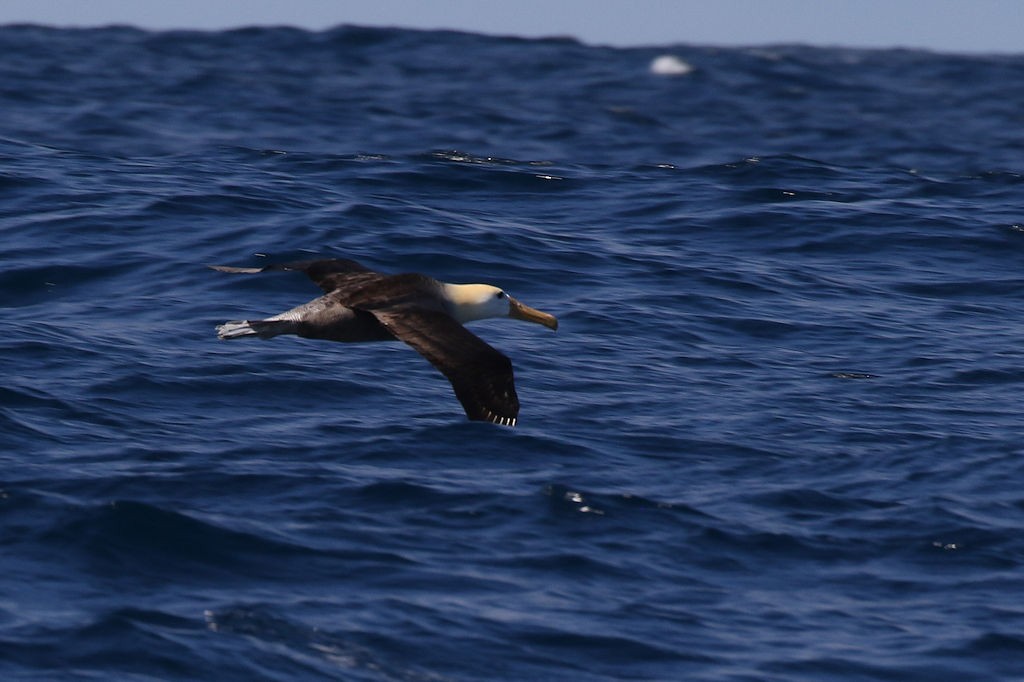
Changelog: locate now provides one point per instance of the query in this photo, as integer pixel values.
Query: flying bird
(361, 305)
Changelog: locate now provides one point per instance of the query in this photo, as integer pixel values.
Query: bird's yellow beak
(524, 312)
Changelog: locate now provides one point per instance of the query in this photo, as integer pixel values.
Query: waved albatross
(362, 305)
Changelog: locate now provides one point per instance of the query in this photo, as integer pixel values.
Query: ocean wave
(781, 401)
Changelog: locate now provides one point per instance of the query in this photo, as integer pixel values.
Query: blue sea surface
(777, 435)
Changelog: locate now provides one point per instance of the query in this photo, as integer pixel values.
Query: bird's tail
(264, 329)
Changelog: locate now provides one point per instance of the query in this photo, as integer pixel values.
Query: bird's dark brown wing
(329, 274)
(481, 376)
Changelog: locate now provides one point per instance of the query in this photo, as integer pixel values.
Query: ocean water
(777, 435)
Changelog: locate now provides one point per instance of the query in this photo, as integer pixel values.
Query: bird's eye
(500, 294)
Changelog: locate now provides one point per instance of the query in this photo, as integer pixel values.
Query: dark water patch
(810, 503)
(160, 545)
(310, 650)
(131, 642)
(989, 376)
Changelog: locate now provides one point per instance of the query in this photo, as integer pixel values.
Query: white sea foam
(670, 65)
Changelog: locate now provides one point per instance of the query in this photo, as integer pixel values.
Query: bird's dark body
(345, 325)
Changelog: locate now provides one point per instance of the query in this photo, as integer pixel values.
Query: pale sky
(941, 25)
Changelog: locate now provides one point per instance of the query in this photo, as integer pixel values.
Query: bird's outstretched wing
(329, 274)
(481, 376)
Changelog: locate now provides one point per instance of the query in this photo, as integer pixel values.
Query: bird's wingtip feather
(234, 270)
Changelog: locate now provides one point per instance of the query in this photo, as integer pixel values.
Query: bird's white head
(482, 301)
